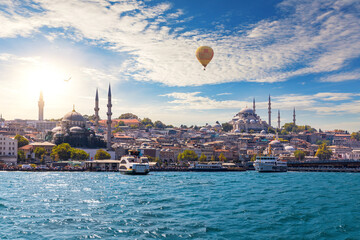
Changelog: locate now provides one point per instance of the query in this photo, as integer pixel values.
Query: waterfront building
(8, 150)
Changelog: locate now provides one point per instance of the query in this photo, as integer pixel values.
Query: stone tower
(294, 117)
(278, 119)
(41, 107)
(96, 111)
(269, 111)
(109, 113)
(254, 105)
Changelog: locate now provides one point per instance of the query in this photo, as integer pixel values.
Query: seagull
(67, 80)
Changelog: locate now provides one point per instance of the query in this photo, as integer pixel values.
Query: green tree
(149, 126)
(159, 124)
(323, 153)
(202, 158)
(271, 130)
(39, 152)
(226, 127)
(128, 116)
(79, 154)
(319, 142)
(120, 123)
(102, 154)
(22, 141)
(21, 156)
(62, 152)
(222, 158)
(253, 158)
(213, 158)
(146, 122)
(300, 155)
(356, 136)
(187, 155)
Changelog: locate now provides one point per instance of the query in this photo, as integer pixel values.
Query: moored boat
(207, 167)
(270, 164)
(134, 164)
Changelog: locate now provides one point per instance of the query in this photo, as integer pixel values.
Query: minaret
(294, 117)
(278, 119)
(41, 107)
(269, 111)
(254, 105)
(109, 113)
(96, 111)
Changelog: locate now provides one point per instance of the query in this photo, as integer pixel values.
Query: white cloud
(318, 36)
(340, 77)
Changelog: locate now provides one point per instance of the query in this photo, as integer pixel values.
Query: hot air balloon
(204, 54)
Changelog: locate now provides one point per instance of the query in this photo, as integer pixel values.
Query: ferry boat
(207, 167)
(133, 164)
(270, 164)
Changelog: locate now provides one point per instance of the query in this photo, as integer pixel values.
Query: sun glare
(47, 78)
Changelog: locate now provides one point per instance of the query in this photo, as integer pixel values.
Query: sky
(305, 54)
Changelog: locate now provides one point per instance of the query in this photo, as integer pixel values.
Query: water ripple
(175, 205)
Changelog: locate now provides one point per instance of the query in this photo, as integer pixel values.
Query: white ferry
(207, 167)
(134, 165)
(270, 164)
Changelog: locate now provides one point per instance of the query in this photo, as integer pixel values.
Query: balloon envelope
(204, 54)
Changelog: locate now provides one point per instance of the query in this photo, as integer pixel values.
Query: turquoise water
(179, 205)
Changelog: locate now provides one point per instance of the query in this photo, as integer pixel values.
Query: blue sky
(306, 54)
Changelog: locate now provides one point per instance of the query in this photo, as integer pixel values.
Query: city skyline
(305, 55)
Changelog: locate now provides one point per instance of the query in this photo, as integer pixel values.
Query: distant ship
(133, 164)
(205, 167)
(270, 164)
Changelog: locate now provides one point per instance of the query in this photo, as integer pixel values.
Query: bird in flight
(67, 80)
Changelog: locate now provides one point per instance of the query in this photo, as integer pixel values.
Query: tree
(271, 130)
(300, 155)
(202, 158)
(89, 117)
(213, 158)
(356, 136)
(21, 156)
(146, 122)
(226, 127)
(253, 158)
(128, 116)
(187, 155)
(102, 154)
(159, 124)
(120, 123)
(222, 158)
(323, 153)
(22, 141)
(39, 152)
(62, 152)
(78, 154)
(319, 142)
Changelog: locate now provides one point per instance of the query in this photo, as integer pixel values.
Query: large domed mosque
(247, 120)
(73, 129)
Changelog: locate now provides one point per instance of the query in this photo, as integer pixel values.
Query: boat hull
(262, 167)
(132, 172)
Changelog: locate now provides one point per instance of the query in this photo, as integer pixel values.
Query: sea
(179, 205)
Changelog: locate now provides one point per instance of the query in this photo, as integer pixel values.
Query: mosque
(73, 128)
(247, 120)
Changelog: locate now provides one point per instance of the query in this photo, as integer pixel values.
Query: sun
(48, 78)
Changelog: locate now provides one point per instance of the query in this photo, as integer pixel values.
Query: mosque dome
(73, 116)
(203, 129)
(237, 131)
(275, 142)
(289, 148)
(247, 110)
(263, 132)
(76, 129)
(56, 129)
(252, 121)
